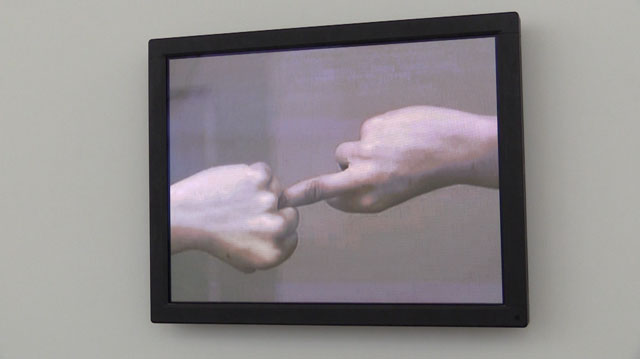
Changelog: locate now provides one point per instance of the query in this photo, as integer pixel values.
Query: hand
(231, 212)
(402, 154)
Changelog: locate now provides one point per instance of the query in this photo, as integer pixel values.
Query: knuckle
(267, 258)
(341, 148)
(366, 127)
(272, 225)
(346, 149)
(277, 252)
(370, 123)
(280, 226)
(366, 150)
(260, 166)
(261, 172)
(313, 191)
(267, 200)
(260, 254)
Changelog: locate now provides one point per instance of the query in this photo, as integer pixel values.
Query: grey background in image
(290, 110)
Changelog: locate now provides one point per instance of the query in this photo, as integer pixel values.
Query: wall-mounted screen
(352, 174)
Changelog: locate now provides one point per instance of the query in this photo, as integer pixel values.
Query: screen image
(355, 174)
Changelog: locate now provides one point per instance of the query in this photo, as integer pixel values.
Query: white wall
(74, 279)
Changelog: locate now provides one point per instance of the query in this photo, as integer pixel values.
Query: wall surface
(74, 279)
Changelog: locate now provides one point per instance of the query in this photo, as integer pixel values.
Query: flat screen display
(387, 155)
(357, 174)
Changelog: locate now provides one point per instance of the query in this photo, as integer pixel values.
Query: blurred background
(291, 109)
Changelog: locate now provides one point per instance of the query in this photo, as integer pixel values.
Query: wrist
(182, 237)
(482, 168)
(476, 161)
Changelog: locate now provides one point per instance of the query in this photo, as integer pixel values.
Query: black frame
(505, 27)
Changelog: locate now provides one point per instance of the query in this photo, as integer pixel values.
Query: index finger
(320, 188)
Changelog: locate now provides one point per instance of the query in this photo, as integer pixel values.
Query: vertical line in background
(240, 135)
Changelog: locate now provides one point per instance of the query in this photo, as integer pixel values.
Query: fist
(231, 212)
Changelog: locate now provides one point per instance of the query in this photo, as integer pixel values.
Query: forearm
(476, 159)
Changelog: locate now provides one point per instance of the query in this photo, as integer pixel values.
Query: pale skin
(402, 154)
(231, 212)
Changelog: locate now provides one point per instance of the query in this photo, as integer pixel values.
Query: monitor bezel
(513, 312)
